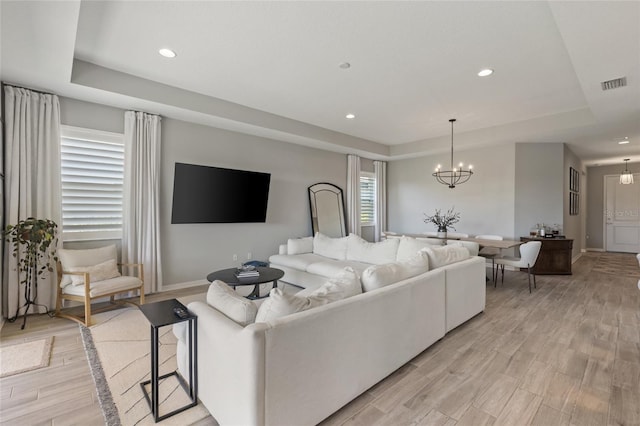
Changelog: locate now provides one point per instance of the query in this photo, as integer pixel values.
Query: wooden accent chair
(87, 275)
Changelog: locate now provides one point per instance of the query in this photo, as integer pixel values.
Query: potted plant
(34, 243)
(443, 221)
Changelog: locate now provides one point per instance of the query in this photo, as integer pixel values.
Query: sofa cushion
(378, 276)
(378, 253)
(100, 272)
(105, 287)
(279, 303)
(227, 301)
(296, 261)
(86, 257)
(331, 268)
(472, 246)
(408, 246)
(445, 255)
(333, 248)
(300, 245)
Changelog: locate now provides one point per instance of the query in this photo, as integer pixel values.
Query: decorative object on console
(454, 176)
(34, 244)
(626, 178)
(443, 221)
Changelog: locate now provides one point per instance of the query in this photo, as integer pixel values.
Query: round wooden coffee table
(266, 275)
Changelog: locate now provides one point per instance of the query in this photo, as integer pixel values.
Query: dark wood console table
(555, 256)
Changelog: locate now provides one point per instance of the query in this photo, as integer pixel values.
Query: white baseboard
(600, 250)
(187, 284)
(575, 258)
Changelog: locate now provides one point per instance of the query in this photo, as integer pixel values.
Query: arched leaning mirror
(327, 210)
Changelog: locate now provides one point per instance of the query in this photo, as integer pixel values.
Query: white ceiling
(271, 69)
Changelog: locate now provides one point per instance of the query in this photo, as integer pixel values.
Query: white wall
(485, 202)
(190, 252)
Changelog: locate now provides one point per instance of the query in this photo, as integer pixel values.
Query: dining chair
(528, 255)
(490, 253)
(457, 235)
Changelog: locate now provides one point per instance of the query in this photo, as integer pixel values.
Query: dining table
(496, 244)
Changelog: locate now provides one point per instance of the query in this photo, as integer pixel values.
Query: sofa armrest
(282, 249)
(230, 366)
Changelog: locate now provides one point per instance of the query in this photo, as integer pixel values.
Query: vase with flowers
(443, 221)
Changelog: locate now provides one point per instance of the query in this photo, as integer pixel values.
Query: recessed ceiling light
(485, 72)
(350, 116)
(167, 53)
(625, 141)
(345, 65)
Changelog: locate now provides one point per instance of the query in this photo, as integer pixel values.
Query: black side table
(161, 314)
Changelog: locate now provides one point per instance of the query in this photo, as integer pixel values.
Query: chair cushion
(445, 255)
(331, 268)
(101, 288)
(378, 253)
(87, 257)
(227, 301)
(333, 248)
(100, 272)
(300, 245)
(296, 261)
(378, 276)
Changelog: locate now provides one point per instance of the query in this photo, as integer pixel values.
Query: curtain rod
(27, 88)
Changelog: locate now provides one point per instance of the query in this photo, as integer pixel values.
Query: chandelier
(626, 177)
(454, 176)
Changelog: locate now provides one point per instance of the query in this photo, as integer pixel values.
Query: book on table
(247, 274)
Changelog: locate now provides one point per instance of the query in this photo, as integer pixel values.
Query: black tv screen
(203, 194)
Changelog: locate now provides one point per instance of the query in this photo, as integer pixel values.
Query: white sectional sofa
(300, 368)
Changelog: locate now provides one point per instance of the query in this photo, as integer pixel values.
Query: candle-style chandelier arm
(454, 176)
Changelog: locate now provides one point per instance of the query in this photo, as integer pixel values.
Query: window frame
(371, 176)
(93, 135)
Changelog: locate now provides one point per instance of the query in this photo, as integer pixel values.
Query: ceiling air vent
(614, 84)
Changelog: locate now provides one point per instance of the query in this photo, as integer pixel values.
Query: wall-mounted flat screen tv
(203, 194)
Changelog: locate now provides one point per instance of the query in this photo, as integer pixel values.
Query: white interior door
(622, 214)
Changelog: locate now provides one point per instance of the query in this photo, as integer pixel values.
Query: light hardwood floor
(567, 354)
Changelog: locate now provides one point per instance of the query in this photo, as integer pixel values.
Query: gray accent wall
(190, 252)
(573, 225)
(539, 185)
(485, 202)
(595, 201)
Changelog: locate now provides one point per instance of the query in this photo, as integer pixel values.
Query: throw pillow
(445, 255)
(86, 257)
(280, 304)
(223, 298)
(473, 247)
(333, 248)
(378, 276)
(300, 245)
(379, 253)
(408, 246)
(100, 272)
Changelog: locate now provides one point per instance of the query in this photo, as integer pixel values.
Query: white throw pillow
(280, 304)
(379, 253)
(227, 301)
(333, 248)
(87, 257)
(300, 245)
(445, 255)
(472, 246)
(378, 276)
(408, 246)
(100, 272)
(345, 284)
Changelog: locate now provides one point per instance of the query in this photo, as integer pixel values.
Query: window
(367, 199)
(92, 172)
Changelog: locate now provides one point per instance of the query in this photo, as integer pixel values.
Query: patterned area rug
(118, 349)
(618, 264)
(25, 356)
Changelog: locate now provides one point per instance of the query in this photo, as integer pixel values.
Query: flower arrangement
(443, 221)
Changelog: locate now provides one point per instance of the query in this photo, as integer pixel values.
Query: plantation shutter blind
(92, 185)
(367, 199)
